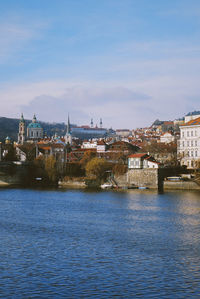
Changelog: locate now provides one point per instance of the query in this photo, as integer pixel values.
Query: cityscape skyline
(127, 62)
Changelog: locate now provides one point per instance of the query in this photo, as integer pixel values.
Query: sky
(128, 62)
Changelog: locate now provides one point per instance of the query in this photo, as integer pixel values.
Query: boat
(106, 186)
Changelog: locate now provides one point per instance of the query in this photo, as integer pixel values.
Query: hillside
(9, 127)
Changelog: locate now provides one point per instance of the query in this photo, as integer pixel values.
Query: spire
(101, 124)
(91, 123)
(68, 125)
(22, 118)
(34, 119)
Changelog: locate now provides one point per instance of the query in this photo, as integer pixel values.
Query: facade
(141, 161)
(34, 130)
(87, 132)
(123, 132)
(167, 137)
(189, 143)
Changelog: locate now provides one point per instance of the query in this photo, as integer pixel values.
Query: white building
(123, 132)
(192, 115)
(142, 161)
(167, 137)
(89, 144)
(189, 143)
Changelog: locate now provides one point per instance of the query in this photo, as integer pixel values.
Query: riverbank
(181, 185)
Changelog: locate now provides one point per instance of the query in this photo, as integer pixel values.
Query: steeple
(68, 125)
(68, 137)
(22, 118)
(91, 123)
(101, 124)
(34, 119)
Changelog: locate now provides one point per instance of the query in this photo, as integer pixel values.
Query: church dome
(34, 125)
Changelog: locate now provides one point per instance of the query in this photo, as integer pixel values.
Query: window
(182, 134)
(191, 143)
(195, 133)
(183, 143)
(188, 144)
(195, 142)
(195, 153)
(191, 153)
(188, 133)
(191, 133)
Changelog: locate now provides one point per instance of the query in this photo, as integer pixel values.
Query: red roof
(193, 122)
(137, 155)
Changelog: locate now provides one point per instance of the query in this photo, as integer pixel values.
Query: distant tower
(101, 124)
(68, 136)
(21, 133)
(91, 123)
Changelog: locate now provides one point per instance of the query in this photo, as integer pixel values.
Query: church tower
(68, 136)
(21, 133)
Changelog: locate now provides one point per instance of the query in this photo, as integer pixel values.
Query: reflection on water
(71, 244)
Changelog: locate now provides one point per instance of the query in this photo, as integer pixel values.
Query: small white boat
(106, 186)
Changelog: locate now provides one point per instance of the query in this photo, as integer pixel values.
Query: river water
(78, 244)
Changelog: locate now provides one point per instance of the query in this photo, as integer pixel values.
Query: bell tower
(21, 133)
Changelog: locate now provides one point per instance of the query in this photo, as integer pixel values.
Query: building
(191, 116)
(141, 161)
(89, 132)
(123, 132)
(167, 137)
(189, 143)
(34, 130)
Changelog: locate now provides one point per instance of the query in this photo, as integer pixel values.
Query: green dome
(34, 125)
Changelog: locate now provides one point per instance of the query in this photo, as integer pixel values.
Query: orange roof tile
(193, 122)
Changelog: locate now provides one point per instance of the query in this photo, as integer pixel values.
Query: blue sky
(127, 61)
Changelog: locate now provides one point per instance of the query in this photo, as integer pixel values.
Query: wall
(143, 177)
(150, 178)
(181, 185)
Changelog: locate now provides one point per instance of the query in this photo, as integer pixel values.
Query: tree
(88, 155)
(50, 168)
(11, 153)
(96, 168)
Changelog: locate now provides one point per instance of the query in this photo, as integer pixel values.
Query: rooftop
(193, 122)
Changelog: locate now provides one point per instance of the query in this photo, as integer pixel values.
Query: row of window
(191, 163)
(189, 143)
(189, 133)
(36, 135)
(192, 154)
